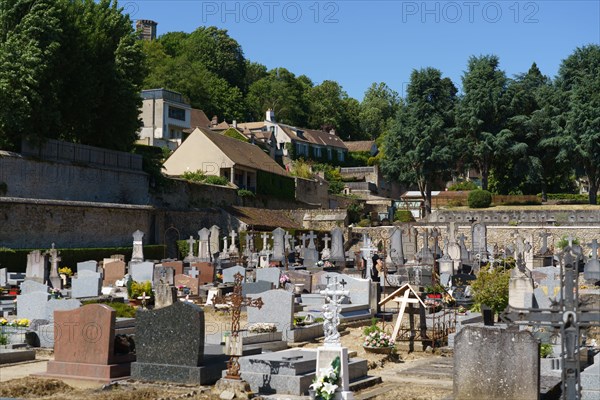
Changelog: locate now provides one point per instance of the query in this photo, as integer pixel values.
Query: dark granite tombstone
(170, 345)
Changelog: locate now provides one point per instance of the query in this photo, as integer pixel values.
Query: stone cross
(191, 241)
(138, 250)
(54, 260)
(293, 243)
(265, 239)
(594, 246)
(367, 252)
(570, 239)
(225, 246)
(311, 236)
(233, 248)
(326, 240)
(331, 311)
(248, 249)
(237, 301)
(544, 235)
(435, 234)
(286, 241)
(193, 272)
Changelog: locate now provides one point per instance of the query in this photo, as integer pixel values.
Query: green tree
(491, 288)
(379, 105)
(482, 114)
(579, 82)
(331, 108)
(419, 147)
(74, 70)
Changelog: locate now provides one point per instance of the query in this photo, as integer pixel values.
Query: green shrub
(455, 203)
(139, 288)
(403, 216)
(491, 288)
(479, 199)
(336, 187)
(123, 310)
(372, 328)
(245, 193)
(546, 350)
(363, 223)
(216, 180)
(564, 242)
(3, 339)
(464, 186)
(195, 176)
(355, 210)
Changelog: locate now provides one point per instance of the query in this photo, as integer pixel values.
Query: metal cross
(237, 301)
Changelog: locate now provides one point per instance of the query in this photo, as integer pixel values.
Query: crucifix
(331, 310)
(55, 280)
(232, 248)
(191, 241)
(265, 240)
(326, 239)
(544, 235)
(237, 301)
(565, 315)
(311, 236)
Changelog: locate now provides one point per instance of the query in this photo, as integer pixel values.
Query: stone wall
(519, 216)
(321, 220)
(30, 178)
(313, 192)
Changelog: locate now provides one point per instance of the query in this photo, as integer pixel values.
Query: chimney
(270, 115)
(214, 121)
(146, 29)
(332, 131)
(234, 123)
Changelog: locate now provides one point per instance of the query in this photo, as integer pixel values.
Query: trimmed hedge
(278, 186)
(479, 199)
(403, 216)
(16, 260)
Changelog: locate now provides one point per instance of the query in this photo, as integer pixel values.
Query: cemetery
(349, 313)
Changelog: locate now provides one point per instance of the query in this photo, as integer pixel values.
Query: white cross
(331, 310)
(311, 236)
(191, 242)
(286, 242)
(326, 239)
(265, 238)
(225, 244)
(233, 235)
(193, 272)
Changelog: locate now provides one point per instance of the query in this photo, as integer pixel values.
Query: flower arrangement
(262, 327)
(283, 279)
(461, 310)
(55, 293)
(219, 277)
(326, 381)
(375, 337)
(66, 271)
(23, 322)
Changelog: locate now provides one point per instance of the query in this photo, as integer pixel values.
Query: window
(329, 155)
(177, 113)
(340, 155)
(317, 152)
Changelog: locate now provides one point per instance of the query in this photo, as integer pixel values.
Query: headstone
(410, 244)
(591, 271)
(215, 234)
(269, 275)
(248, 248)
(396, 252)
(187, 281)
(204, 246)
(547, 290)
(311, 255)
(36, 266)
(520, 289)
(88, 266)
(479, 241)
(142, 272)
(326, 253)
(28, 286)
(493, 363)
(170, 345)
(206, 272)
(3, 277)
(60, 305)
(337, 246)
(301, 277)
(233, 249)
(32, 305)
(113, 271)
(544, 235)
(190, 253)
(229, 273)
(360, 289)
(278, 245)
(257, 287)
(138, 249)
(164, 274)
(464, 253)
(86, 284)
(164, 295)
(84, 345)
(176, 265)
(278, 309)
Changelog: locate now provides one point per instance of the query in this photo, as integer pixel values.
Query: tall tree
(379, 105)
(330, 108)
(419, 147)
(579, 81)
(482, 113)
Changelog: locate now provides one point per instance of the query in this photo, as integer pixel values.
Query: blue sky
(357, 43)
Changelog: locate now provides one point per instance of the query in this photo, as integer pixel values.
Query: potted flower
(462, 310)
(326, 382)
(283, 279)
(65, 274)
(219, 277)
(55, 293)
(376, 340)
(180, 290)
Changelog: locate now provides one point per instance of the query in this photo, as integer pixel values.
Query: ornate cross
(326, 240)
(237, 301)
(331, 311)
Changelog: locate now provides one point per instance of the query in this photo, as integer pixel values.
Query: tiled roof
(261, 218)
(199, 118)
(360, 145)
(244, 154)
(321, 138)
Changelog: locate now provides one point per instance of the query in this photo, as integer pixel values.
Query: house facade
(165, 115)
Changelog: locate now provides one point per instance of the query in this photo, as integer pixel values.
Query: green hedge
(278, 186)
(16, 260)
(479, 199)
(403, 216)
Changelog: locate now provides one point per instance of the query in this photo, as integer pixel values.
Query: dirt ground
(21, 385)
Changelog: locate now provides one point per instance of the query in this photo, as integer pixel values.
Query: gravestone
(494, 363)
(215, 234)
(301, 277)
(204, 245)
(28, 286)
(229, 273)
(142, 272)
(84, 345)
(311, 255)
(409, 243)
(164, 295)
(233, 249)
(255, 287)
(87, 266)
(278, 245)
(137, 254)
(3, 277)
(548, 286)
(316, 283)
(520, 289)
(206, 272)
(187, 281)
(464, 253)
(164, 274)
(36, 266)
(54, 278)
(360, 289)
(337, 253)
(326, 252)
(86, 284)
(113, 271)
(278, 309)
(32, 305)
(591, 271)
(60, 305)
(269, 275)
(170, 345)
(479, 239)
(190, 256)
(176, 265)
(396, 252)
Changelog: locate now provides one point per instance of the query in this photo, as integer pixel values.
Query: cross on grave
(326, 240)
(311, 237)
(544, 235)
(367, 252)
(191, 241)
(570, 239)
(265, 240)
(232, 247)
(331, 311)
(566, 316)
(193, 272)
(237, 301)
(286, 241)
(594, 246)
(225, 244)
(55, 280)
(144, 299)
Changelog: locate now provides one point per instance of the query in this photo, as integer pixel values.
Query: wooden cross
(237, 301)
